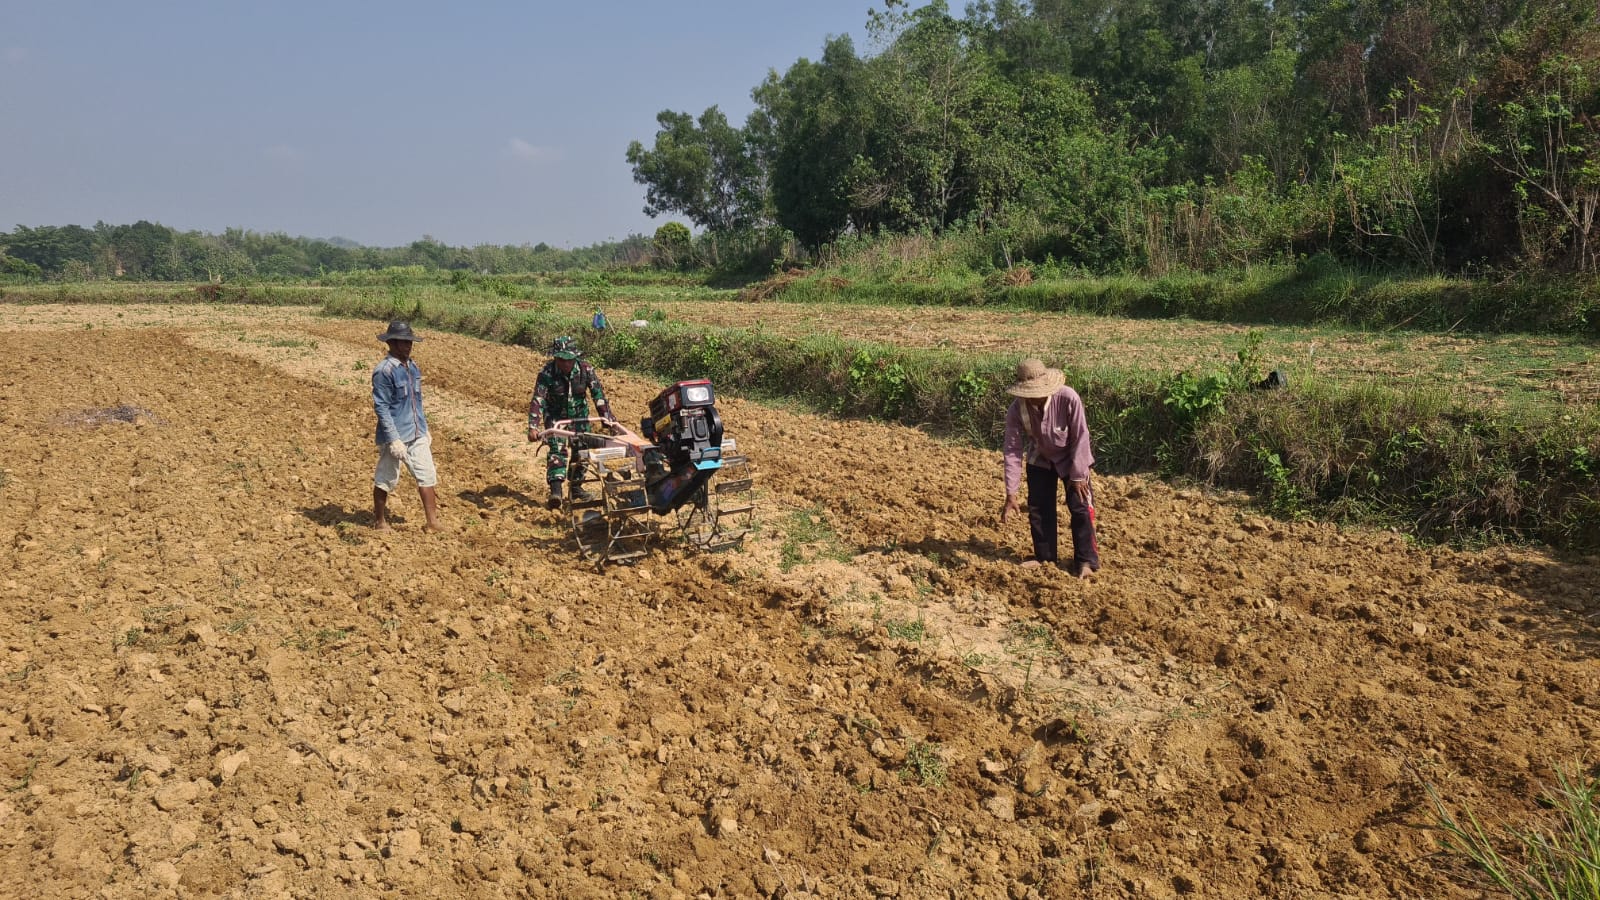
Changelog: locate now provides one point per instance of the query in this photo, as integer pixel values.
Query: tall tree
(50, 247)
(814, 122)
(144, 250)
(703, 168)
(930, 94)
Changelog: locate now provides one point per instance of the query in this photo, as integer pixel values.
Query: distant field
(1515, 370)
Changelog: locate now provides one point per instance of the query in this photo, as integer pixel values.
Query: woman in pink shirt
(1048, 438)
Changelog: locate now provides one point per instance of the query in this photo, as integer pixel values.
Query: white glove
(397, 449)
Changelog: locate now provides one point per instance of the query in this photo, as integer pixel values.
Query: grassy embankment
(1316, 290)
(1423, 459)
(113, 292)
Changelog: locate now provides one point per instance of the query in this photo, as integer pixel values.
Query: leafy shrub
(1283, 498)
(1191, 398)
(672, 247)
(19, 269)
(597, 288)
(878, 386)
(709, 356)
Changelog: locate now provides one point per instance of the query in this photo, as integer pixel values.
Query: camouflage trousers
(557, 468)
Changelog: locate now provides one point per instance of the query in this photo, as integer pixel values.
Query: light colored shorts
(419, 459)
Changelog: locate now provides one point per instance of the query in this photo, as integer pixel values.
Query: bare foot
(1031, 564)
(381, 525)
(433, 528)
(1085, 573)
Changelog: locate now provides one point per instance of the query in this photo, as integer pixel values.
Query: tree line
(1162, 135)
(150, 251)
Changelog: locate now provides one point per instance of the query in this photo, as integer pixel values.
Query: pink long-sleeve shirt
(1059, 438)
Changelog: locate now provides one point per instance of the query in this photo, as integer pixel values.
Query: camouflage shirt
(557, 396)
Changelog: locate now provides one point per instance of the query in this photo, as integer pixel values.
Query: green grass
(1518, 370)
(904, 630)
(577, 279)
(975, 660)
(924, 765)
(1029, 636)
(1558, 859)
(1317, 289)
(1030, 644)
(809, 530)
(125, 292)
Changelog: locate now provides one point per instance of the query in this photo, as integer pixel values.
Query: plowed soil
(217, 680)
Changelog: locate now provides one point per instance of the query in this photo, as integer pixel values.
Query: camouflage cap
(565, 348)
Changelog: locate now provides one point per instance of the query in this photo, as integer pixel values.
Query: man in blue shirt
(403, 436)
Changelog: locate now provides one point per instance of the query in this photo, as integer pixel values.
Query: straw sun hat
(1034, 380)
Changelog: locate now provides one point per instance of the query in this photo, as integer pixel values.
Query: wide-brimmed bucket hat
(1034, 380)
(399, 331)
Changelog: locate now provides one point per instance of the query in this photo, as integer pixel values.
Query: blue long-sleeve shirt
(397, 399)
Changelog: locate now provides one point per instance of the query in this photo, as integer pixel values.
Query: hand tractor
(679, 464)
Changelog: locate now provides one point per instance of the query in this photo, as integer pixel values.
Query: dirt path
(219, 682)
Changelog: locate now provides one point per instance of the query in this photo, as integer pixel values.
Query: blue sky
(473, 122)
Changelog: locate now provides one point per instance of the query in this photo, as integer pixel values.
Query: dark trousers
(1042, 519)
(560, 451)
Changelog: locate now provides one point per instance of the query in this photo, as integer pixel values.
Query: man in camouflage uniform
(559, 394)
